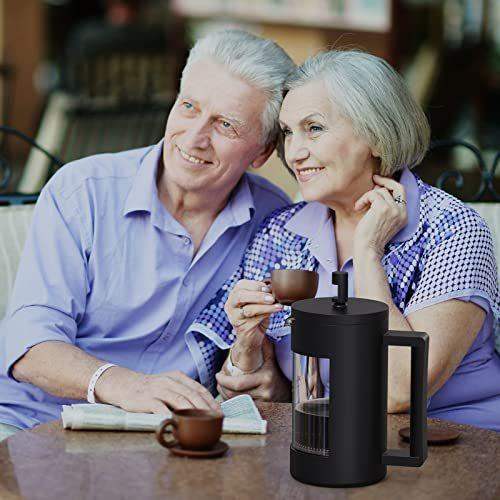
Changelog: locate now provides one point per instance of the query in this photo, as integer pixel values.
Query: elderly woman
(351, 134)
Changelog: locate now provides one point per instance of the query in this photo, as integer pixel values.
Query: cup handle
(267, 281)
(160, 432)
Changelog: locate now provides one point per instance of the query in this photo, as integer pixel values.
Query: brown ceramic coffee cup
(290, 285)
(192, 429)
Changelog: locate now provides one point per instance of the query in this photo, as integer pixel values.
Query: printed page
(241, 406)
(241, 416)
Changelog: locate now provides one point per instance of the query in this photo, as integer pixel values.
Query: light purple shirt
(472, 394)
(107, 268)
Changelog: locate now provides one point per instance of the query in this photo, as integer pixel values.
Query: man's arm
(49, 300)
(58, 368)
(64, 370)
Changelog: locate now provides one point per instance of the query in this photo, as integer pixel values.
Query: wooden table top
(51, 463)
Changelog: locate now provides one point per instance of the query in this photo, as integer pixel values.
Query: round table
(51, 463)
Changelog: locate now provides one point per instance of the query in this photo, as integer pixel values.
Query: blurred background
(82, 77)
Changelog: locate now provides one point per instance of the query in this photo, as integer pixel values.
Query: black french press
(339, 424)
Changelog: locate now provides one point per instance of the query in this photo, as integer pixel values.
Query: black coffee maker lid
(341, 310)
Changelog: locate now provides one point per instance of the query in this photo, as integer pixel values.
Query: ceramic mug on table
(192, 429)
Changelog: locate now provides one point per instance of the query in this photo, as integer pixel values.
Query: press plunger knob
(339, 278)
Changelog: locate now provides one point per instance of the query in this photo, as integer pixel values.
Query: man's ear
(263, 155)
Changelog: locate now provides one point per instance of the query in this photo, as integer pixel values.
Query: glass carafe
(311, 398)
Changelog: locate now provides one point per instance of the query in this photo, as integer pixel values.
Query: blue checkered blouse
(450, 254)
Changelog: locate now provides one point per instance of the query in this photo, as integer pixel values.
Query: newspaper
(241, 416)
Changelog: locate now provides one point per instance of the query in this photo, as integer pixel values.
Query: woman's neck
(345, 215)
(343, 206)
(345, 220)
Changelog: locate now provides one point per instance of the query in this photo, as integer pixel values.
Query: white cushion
(14, 224)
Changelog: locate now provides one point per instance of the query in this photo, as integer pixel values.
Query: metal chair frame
(6, 170)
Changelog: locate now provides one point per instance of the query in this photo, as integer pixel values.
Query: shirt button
(186, 240)
(185, 281)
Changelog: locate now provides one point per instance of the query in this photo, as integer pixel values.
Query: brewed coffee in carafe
(311, 404)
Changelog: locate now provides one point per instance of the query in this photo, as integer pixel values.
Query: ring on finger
(399, 200)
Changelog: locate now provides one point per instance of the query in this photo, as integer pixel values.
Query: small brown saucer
(435, 435)
(217, 451)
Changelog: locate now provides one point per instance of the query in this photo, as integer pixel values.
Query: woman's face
(331, 164)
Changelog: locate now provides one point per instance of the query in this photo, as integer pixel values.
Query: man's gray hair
(376, 100)
(258, 61)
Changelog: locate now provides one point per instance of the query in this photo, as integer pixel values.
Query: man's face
(213, 131)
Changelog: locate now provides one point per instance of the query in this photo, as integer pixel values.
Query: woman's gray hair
(376, 100)
(258, 61)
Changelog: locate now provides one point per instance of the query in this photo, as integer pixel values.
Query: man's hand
(266, 384)
(138, 392)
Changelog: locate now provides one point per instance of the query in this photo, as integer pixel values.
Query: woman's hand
(266, 384)
(248, 308)
(385, 217)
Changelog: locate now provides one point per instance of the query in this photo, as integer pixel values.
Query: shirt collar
(143, 190)
(409, 182)
(241, 202)
(311, 219)
(143, 195)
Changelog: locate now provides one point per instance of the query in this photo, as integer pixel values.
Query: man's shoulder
(266, 193)
(99, 168)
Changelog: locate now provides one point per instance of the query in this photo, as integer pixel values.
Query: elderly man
(126, 249)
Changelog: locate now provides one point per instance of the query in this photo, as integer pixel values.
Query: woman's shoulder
(278, 218)
(275, 246)
(273, 237)
(450, 255)
(444, 214)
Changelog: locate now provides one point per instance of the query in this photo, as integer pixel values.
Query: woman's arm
(452, 326)
(268, 383)
(248, 308)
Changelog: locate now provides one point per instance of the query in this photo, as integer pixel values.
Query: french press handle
(419, 344)
(340, 278)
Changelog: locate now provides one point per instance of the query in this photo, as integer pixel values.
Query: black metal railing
(15, 198)
(486, 190)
